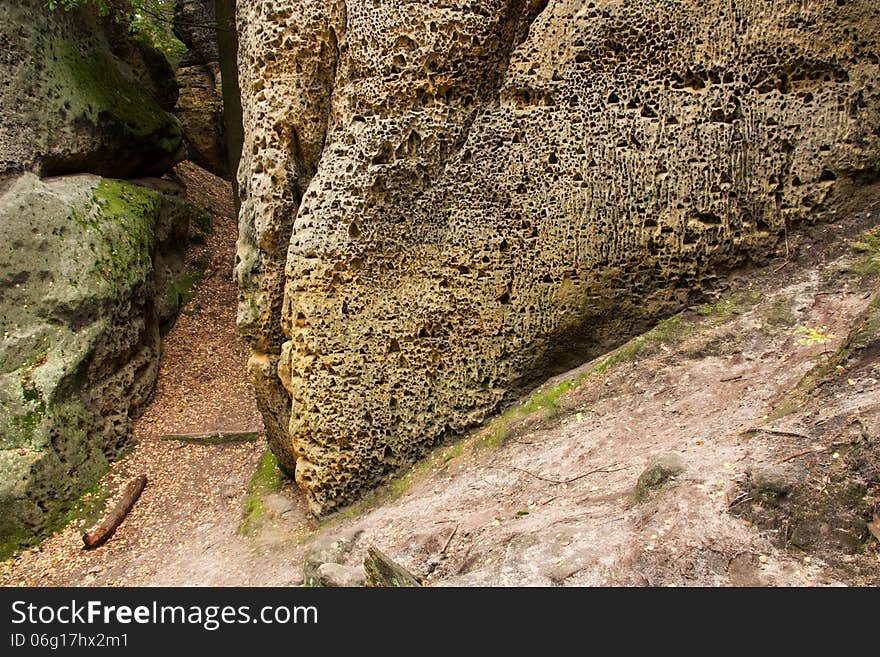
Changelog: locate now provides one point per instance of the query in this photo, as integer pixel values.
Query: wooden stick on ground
(813, 450)
(606, 469)
(449, 540)
(775, 432)
(214, 437)
(99, 534)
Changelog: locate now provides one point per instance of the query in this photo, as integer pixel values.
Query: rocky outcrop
(80, 95)
(443, 200)
(84, 264)
(200, 104)
(88, 265)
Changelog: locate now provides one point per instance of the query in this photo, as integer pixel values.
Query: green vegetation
(869, 329)
(267, 479)
(151, 20)
(28, 422)
(87, 508)
(868, 245)
(185, 283)
(866, 331)
(104, 90)
(811, 336)
(130, 212)
(202, 221)
(722, 309)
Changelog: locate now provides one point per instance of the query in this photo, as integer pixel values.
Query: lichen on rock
(75, 102)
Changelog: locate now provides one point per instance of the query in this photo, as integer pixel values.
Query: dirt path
(183, 529)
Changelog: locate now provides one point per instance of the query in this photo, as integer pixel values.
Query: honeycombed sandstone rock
(442, 200)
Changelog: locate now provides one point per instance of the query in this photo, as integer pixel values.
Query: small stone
(660, 469)
(769, 485)
(338, 576)
(327, 549)
(381, 571)
(277, 505)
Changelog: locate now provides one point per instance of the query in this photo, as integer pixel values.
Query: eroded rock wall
(200, 105)
(83, 263)
(440, 200)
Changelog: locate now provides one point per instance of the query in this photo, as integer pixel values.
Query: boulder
(443, 202)
(82, 261)
(81, 95)
(661, 469)
(381, 571)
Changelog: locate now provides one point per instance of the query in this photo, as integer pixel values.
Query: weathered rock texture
(200, 104)
(441, 198)
(85, 263)
(79, 95)
(88, 265)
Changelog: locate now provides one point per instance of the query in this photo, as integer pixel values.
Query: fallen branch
(739, 500)
(449, 540)
(731, 378)
(104, 530)
(214, 437)
(775, 432)
(607, 468)
(814, 450)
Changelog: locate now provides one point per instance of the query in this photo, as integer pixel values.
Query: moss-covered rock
(78, 263)
(79, 97)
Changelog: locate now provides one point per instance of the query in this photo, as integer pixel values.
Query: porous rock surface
(200, 103)
(442, 200)
(80, 95)
(85, 264)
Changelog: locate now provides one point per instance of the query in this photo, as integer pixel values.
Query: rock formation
(200, 104)
(443, 200)
(79, 95)
(88, 265)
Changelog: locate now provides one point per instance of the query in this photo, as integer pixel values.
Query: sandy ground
(555, 503)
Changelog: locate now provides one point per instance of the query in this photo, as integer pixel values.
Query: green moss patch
(868, 246)
(185, 284)
(722, 309)
(122, 223)
(101, 90)
(87, 510)
(266, 479)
